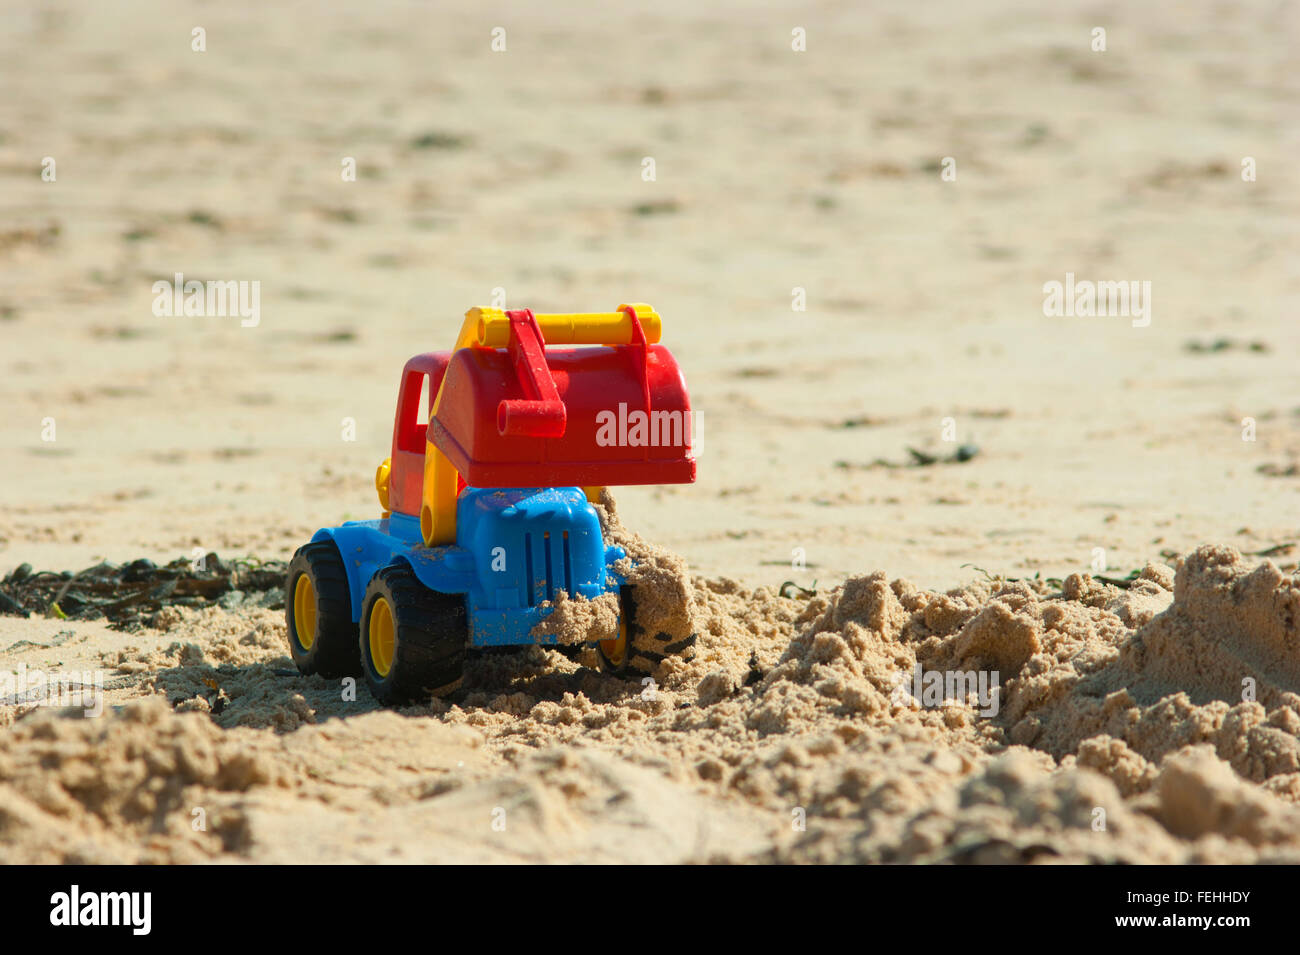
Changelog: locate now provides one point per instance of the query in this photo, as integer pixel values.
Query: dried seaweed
(128, 595)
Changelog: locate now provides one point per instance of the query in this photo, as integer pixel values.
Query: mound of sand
(125, 788)
(1160, 723)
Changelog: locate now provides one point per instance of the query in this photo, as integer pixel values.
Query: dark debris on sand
(128, 595)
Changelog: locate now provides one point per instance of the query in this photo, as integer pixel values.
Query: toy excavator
(487, 512)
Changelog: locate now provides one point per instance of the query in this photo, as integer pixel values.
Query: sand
(1150, 722)
(1120, 734)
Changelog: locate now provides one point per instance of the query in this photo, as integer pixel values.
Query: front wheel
(635, 651)
(412, 639)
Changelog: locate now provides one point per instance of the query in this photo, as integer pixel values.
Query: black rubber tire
(645, 651)
(333, 652)
(431, 632)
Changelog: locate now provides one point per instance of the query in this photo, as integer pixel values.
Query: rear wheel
(318, 613)
(412, 639)
(635, 651)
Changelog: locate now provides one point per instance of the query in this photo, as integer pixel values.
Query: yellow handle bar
(492, 327)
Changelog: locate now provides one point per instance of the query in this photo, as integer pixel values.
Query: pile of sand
(1155, 724)
(575, 620)
(125, 789)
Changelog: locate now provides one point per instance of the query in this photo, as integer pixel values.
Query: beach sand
(1163, 456)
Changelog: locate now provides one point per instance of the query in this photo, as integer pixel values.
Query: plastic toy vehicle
(487, 508)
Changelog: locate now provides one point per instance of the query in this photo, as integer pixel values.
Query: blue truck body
(515, 549)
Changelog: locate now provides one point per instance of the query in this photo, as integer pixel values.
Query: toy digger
(487, 511)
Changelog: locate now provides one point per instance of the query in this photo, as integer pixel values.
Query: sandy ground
(775, 170)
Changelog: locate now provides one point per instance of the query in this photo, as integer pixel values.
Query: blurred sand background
(775, 170)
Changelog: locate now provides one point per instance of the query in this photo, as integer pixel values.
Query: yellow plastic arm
(381, 483)
(438, 494)
(492, 327)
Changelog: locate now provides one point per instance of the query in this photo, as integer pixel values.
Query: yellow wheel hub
(615, 650)
(383, 638)
(304, 611)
